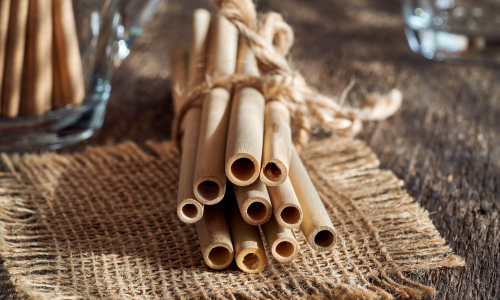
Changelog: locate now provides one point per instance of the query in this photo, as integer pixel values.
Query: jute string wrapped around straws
(270, 39)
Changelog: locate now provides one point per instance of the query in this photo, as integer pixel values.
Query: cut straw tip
(289, 216)
(209, 190)
(242, 169)
(251, 260)
(257, 211)
(219, 256)
(274, 173)
(322, 238)
(285, 249)
(190, 211)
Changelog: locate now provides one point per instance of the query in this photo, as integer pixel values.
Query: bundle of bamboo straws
(234, 135)
(40, 64)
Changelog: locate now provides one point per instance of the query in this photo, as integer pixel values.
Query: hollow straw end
(190, 211)
(209, 190)
(219, 255)
(285, 249)
(242, 169)
(256, 211)
(289, 216)
(274, 173)
(322, 238)
(251, 260)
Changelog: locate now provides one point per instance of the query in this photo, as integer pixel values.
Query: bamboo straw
(316, 226)
(282, 242)
(277, 144)
(248, 247)
(286, 206)
(179, 75)
(67, 52)
(37, 74)
(246, 127)
(214, 237)
(189, 209)
(253, 202)
(4, 27)
(210, 177)
(14, 57)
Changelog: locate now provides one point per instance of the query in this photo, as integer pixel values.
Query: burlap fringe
(102, 224)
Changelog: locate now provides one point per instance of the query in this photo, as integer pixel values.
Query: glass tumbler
(105, 31)
(453, 30)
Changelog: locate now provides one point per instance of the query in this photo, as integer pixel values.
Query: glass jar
(105, 31)
(453, 30)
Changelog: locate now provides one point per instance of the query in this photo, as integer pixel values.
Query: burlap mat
(103, 224)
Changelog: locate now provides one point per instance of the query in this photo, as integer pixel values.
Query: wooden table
(444, 142)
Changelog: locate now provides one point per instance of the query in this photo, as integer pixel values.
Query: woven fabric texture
(102, 224)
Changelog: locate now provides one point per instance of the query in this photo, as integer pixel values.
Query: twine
(270, 38)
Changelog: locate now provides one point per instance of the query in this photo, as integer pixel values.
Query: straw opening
(290, 215)
(285, 249)
(190, 211)
(251, 261)
(272, 172)
(324, 238)
(257, 211)
(219, 256)
(243, 169)
(208, 190)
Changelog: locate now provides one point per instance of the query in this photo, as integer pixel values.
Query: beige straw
(210, 177)
(189, 209)
(286, 206)
(214, 237)
(4, 27)
(69, 67)
(248, 247)
(282, 242)
(36, 95)
(277, 144)
(254, 203)
(14, 58)
(246, 127)
(316, 225)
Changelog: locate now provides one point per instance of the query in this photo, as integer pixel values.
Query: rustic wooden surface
(443, 142)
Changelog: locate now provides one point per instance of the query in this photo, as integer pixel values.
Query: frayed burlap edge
(382, 231)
